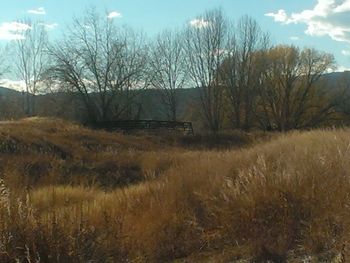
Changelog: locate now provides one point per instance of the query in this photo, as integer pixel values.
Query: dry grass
(41, 151)
(272, 201)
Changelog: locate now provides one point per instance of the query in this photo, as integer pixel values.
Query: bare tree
(341, 99)
(314, 64)
(9, 103)
(205, 47)
(4, 67)
(167, 69)
(136, 57)
(293, 97)
(240, 73)
(30, 60)
(101, 62)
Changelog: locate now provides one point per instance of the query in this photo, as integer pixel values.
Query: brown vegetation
(58, 203)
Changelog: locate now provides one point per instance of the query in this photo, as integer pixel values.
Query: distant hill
(147, 104)
(336, 76)
(8, 91)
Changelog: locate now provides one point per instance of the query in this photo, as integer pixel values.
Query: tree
(30, 51)
(205, 43)
(101, 62)
(167, 69)
(4, 67)
(240, 73)
(341, 99)
(292, 97)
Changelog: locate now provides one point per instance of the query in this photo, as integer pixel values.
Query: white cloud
(49, 27)
(327, 18)
(13, 30)
(341, 69)
(20, 85)
(13, 84)
(37, 11)
(346, 52)
(280, 16)
(114, 14)
(199, 23)
(294, 38)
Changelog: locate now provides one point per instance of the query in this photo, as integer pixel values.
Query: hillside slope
(277, 200)
(52, 151)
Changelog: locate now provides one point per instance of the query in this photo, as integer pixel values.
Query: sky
(321, 24)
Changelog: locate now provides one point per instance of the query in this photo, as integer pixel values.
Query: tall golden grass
(276, 200)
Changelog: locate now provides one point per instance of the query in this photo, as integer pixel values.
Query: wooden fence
(134, 125)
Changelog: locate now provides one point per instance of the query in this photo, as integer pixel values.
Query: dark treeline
(213, 71)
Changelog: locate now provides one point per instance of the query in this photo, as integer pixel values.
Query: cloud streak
(48, 26)
(280, 16)
(114, 14)
(13, 30)
(199, 23)
(346, 52)
(37, 11)
(18, 85)
(327, 18)
(294, 38)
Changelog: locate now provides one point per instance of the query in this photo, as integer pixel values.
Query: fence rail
(133, 125)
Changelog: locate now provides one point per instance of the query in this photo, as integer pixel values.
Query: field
(70, 194)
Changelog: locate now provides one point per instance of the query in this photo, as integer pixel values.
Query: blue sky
(323, 24)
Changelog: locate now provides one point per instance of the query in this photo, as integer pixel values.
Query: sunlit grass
(288, 196)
